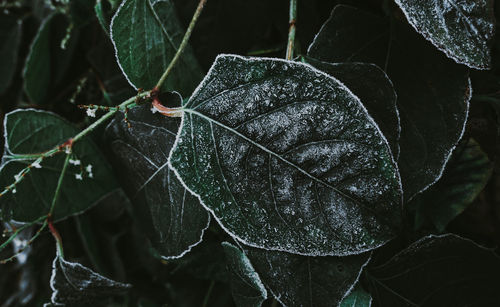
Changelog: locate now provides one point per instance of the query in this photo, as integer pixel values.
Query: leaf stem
(209, 292)
(183, 44)
(19, 229)
(291, 29)
(59, 185)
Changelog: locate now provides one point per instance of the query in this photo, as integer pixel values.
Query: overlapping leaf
(75, 285)
(247, 289)
(374, 89)
(464, 178)
(438, 271)
(30, 132)
(10, 36)
(433, 92)
(146, 37)
(286, 158)
(463, 29)
(173, 218)
(357, 298)
(296, 280)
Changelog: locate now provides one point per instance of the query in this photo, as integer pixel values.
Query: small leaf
(296, 280)
(247, 289)
(433, 91)
(286, 158)
(10, 36)
(75, 285)
(462, 29)
(465, 176)
(375, 90)
(173, 219)
(357, 298)
(31, 132)
(442, 270)
(146, 39)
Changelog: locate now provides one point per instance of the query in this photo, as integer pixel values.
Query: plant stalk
(291, 30)
(183, 44)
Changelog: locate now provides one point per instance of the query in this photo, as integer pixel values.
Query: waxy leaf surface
(75, 285)
(146, 37)
(374, 89)
(30, 132)
(442, 270)
(357, 298)
(297, 280)
(173, 219)
(433, 91)
(246, 287)
(286, 158)
(463, 29)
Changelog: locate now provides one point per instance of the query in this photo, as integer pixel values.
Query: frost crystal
(91, 112)
(36, 164)
(78, 177)
(74, 162)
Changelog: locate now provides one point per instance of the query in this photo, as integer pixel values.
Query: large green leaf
(173, 219)
(10, 36)
(247, 289)
(357, 298)
(76, 285)
(30, 132)
(374, 89)
(465, 176)
(47, 62)
(433, 91)
(146, 37)
(286, 158)
(463, 29)
(296, 280)
(438, 271)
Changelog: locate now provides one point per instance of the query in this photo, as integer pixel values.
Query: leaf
(465, 176)
(30, 132)
(442, 270)
(100, 13)
(75, 285)
(462, 29)
(374, 89)
(247, 289)
(433, 92)
(286, 158)
(357, 298)
(47, 63)
(173, 219)
(10, 36)
(296, 280)
(146, 39)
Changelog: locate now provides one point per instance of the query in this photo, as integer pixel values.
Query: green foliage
(326, 176)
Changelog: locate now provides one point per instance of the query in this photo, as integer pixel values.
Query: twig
(291, 30)
(183, 44)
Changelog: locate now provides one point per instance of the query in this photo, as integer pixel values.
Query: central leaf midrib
(210, 120)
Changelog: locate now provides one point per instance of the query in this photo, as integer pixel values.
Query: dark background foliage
(108, 238)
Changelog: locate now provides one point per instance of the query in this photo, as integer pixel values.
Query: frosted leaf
(463, 29)
(433, 91)
(75, 285)
(296, 280)
(273, 149)
(246, 287)
(173, 219)
(375, 90)
(146, 38)
(357, 298)
(442, 270)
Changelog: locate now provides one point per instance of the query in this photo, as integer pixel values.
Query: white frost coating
(114, 44)
(190, 247)
(322, 27)
(91, 112)
(447, 156)
(453, 43)
(341, 85)
(356, 281)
